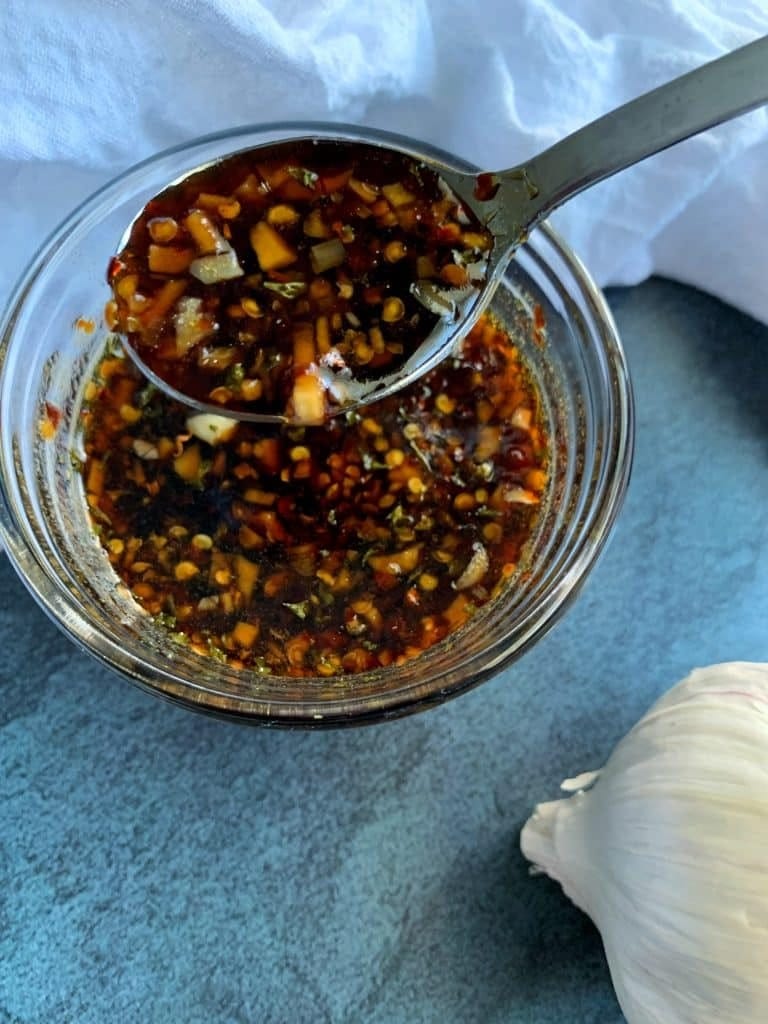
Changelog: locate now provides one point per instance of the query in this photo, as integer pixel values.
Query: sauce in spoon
(275, 282)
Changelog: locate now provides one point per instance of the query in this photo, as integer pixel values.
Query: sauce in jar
(320, 550)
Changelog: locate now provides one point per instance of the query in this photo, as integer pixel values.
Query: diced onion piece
(222, 266)
(162, 229)
(315, 226)
(475, 568)
(326, 255)
(322, 334)
(247, 575)
(213, 200)
(398, 195)
(191, 324)
(308, 400)
(211, 428)
(164, 301)
(303, 346)
(168, 259)
(272, 250)
(281, 214)
(206, 236)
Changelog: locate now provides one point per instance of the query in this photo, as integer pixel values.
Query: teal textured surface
(160, 866)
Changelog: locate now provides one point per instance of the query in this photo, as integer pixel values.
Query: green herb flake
(307, 178)
(216, 652)
(145, 395)
(371, 462)
(300, 609)
(235, 374)
(288, 289)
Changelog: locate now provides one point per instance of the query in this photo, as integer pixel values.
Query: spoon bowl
(446, 305)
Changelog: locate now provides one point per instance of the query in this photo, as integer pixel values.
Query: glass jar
(47, 358)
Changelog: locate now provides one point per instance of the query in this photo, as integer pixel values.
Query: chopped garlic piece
(520, 496)
(145, 449)
(475, 568)
(222, 266)
(212, 428)
(190, 324)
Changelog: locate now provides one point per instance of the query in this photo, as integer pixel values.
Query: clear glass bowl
(46, 358)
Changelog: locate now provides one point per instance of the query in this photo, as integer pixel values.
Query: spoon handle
(701, 99)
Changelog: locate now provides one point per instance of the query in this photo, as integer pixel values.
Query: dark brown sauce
(237, 281)
(321, 550)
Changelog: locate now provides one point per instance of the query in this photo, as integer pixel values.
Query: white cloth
(89, 87)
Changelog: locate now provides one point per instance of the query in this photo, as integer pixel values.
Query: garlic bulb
(666, 849)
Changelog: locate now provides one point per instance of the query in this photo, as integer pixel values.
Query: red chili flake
(115, 268)
(486, 187)
(54, 414)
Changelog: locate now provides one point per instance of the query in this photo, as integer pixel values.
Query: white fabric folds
(89, 87)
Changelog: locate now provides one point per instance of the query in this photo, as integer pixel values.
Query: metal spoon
(510, 203)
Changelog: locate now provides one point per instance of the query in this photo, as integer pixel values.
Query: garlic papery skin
(666, 849)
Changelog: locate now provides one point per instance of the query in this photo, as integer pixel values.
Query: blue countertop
(158, 866)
